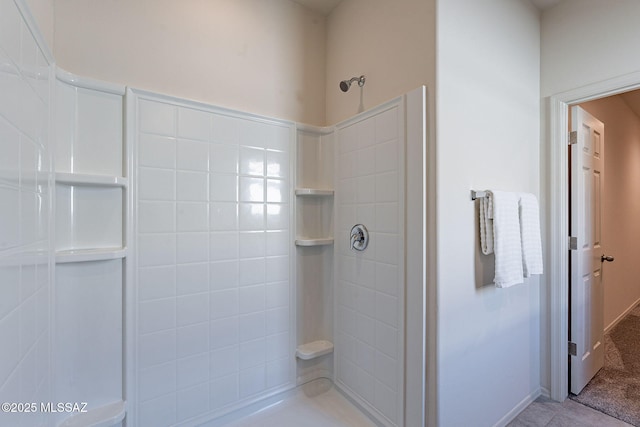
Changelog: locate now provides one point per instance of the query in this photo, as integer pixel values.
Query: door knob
(604, 258)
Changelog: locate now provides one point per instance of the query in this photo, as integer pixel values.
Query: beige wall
(260, 56)
(621, 228)
(42, 11)
(391, 42)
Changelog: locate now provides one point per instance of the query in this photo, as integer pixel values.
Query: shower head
(346, 84)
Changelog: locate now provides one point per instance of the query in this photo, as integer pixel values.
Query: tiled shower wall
(213, 203)
(370, 284)
(25, 239)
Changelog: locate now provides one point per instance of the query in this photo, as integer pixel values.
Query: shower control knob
(359, 237)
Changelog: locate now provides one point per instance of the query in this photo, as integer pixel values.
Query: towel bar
(478, 194)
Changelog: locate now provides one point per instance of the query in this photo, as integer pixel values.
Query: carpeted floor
(615, 390)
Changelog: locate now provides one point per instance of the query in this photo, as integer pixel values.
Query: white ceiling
(326, 6)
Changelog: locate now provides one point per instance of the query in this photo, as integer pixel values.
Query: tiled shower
(171, 262)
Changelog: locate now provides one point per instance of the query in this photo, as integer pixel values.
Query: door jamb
(557, 232)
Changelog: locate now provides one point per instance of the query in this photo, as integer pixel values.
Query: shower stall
(247, 281)
(191, 264)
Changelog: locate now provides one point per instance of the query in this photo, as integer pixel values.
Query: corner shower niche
(90, 205)
(314, 242)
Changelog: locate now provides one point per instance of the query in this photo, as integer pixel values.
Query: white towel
(486, 224)
(530, 234)
(506, 238)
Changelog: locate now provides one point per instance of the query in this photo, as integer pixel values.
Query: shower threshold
(314, 404)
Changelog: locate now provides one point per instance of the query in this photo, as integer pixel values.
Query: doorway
(557, 196)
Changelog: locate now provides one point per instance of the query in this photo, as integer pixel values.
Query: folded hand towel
(530, 234)
(486, 224)
(506, 238)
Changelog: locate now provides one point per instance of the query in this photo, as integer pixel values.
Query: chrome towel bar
(478, 194)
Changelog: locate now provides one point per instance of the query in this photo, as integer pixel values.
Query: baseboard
(622, 316)
(545, 392)
(512, 414)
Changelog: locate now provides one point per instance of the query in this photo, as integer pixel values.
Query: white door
(587, 321)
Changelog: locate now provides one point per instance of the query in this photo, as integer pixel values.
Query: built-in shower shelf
(103, 416)
(307, 241)
(90, 180)
(314, 192)
(314, 349)
(85, 255)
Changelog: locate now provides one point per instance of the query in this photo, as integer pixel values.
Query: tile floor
(546, 412)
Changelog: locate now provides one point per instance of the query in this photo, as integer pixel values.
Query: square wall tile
(156, 217)
(223, 216)
(386, 125)
(251, 326)
(156, 348)
(193, 401)
(223, 275)
(226, 129)
(158, 412)
(224, 332)
(156, 315)
(277, 216)
(192, 278)
(192, 247)
(223, 188)
(277, 372)
(156, 249)
(10, 336)
(192, 186)
(223, 158)
(386, 187)
(194, 124)
(223, 304)
(224, 391)
(277, 243)
(192, 155)
(278, 165)
(192, 339)
(252, 353)
(277, 191)
(276, 295)
(252, 271)
(278, 346)
(223, 246)
(156, 282)
(193, 370)
(252, 161)
(192, 216)
(191, 309)
(156, 151)
(251, 216)
(251, 189)
(157, 117)
(252, 244)
(277, 320)
(156, 184)
(157, 381)
(224, 362)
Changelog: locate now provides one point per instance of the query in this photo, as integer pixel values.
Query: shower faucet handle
(359, 237)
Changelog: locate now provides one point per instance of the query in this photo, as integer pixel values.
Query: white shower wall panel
(370, 284)
(212, 200)
(25, 213)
